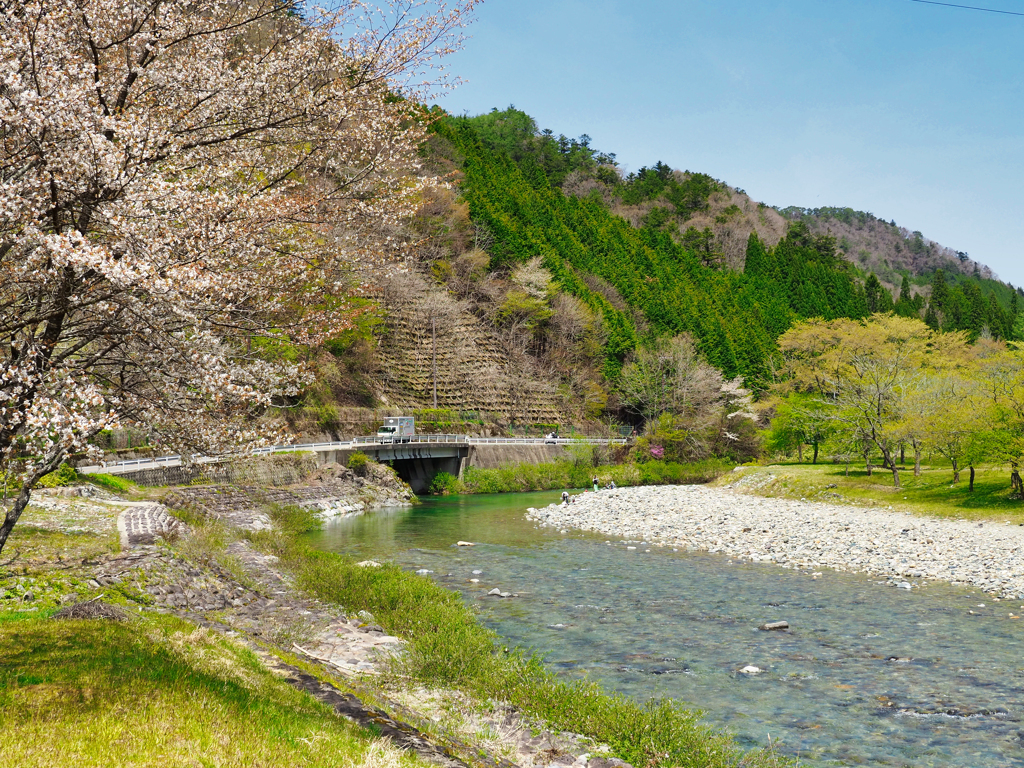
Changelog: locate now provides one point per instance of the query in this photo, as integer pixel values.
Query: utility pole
(433, 338)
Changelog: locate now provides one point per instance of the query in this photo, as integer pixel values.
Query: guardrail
(165, 461)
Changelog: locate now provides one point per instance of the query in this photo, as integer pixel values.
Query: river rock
(750, 669)
(805, 535)
(607, 762)
(772, 626)
(465, 544)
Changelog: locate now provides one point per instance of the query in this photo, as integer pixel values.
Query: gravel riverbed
(804, 535)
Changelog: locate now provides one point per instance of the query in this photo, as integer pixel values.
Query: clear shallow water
(683, 624)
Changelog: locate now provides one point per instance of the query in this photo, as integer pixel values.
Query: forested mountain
(650, 280)
(885, 248)
(693, 254)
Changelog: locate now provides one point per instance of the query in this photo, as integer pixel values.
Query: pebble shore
(804, 535)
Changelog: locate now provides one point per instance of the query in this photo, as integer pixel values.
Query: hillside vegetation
(642, 282)
(542, 270)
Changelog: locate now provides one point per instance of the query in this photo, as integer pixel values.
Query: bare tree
(671, 377)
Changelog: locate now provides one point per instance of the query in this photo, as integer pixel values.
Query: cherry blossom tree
(185, 188)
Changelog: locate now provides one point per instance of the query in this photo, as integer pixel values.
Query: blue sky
(914, 112)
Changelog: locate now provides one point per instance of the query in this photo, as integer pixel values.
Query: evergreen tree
(997, 321)
(735, 317)
(757, 262)
(1017, 334)
(879, 299)
(905, 304)
(940, 290)
(977, 313)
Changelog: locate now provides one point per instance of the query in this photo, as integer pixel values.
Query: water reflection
(867, 675)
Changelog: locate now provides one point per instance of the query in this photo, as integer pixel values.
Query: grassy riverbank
(518, 478)
(932, 493)
(448, 648)
(159, 691)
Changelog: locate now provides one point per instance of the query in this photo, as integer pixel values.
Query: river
(867, 675)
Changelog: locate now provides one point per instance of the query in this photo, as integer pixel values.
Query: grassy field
(158, 691)
(933, 493)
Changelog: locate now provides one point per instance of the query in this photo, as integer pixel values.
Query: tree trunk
(891, 461)
(903, 455)
(800, 452)
(815, 459)
(867, 463)
(1016, 483)
(956, 472)
(11, 518)
(917, 460)
(971, 486)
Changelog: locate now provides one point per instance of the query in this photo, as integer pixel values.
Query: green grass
(448, 648)
(515, 478)
(933, 493)
(111, 482)
(291, 518)
(159, 692)
(30, 547)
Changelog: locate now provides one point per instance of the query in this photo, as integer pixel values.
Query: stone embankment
(331, 491)
(804, 535)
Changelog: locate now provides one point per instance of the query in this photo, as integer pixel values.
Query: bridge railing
(545, 441)
(370, 440)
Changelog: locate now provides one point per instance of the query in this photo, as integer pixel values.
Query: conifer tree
(905, 304)
(757, 260)
(879, 299)
(940, 291)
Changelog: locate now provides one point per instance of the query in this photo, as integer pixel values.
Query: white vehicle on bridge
(397, 429)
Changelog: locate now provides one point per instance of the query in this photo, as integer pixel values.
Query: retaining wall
(264, 470)
(494, 456)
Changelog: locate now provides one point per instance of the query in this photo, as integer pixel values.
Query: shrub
(65, 475)
(436, 415)
(445, 484)
(359, 463)
(513, 478)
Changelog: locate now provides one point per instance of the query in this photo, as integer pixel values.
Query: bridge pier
(418, 465)
(420, 473)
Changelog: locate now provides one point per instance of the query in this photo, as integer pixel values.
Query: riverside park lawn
(160, 691)
(933, 493)
(155, 690)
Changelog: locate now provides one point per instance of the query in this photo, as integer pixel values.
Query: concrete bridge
(417, 458)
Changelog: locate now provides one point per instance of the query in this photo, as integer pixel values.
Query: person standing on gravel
(595, 484)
